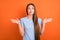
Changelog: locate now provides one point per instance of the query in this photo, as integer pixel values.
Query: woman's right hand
(21, 29)
(17, 21)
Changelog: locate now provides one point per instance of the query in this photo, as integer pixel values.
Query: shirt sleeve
(21, 22)
(39, 21)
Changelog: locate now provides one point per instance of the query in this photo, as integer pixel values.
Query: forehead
(30, 6)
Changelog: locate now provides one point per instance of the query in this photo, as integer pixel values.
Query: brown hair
(35, 20)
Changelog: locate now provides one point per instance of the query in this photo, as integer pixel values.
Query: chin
(31, 13)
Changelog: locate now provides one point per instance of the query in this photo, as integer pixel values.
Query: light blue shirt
(29, 28)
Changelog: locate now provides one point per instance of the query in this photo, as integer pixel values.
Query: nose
(30, 11)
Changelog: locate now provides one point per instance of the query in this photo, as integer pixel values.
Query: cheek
(28, 11)
(33, 11)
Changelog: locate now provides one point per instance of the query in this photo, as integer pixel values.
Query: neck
(30, 17)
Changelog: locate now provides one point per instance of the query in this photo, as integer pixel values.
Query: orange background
(17, 9)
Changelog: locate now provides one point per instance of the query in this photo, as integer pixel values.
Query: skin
(29, 16)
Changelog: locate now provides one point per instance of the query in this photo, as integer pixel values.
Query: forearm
(43, 27)
(21, 30)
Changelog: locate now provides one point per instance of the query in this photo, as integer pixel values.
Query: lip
(30, 12)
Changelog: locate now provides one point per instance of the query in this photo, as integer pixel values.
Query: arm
(42, 27)
(21, 28)
(44, 23)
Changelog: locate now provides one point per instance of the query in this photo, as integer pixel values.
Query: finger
(17, 18)
(49, 19)
(12, 20)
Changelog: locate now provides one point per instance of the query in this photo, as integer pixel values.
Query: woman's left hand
(46, 20)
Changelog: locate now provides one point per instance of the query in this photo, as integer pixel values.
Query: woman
(31, 27)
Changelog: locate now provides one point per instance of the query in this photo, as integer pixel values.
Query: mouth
(30, 12)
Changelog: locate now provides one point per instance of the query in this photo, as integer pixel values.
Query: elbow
(22, 34)
(41, 33)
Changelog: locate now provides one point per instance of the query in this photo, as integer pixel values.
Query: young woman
(30, 26)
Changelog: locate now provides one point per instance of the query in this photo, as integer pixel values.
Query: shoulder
(23, 18)
(39, 19)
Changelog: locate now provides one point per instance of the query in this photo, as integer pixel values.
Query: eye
(32, 7)
(28, 7)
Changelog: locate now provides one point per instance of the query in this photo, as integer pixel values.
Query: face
(30, 10)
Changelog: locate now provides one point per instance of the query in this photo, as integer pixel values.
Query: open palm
(15, 21)
(46, 20)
